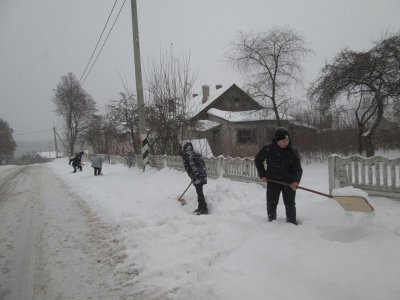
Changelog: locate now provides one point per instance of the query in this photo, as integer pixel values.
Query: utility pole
(65, 147)
(55, 141)
(139, 85)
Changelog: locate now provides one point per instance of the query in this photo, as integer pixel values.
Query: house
(233, 123)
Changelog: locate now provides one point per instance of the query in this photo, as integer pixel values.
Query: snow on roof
(204, 125)
(201, 146)
(195, 104)
(301, 124)
(244, 116)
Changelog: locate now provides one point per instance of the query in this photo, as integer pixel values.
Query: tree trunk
(369, 146)
(360, 141)
(368, 138)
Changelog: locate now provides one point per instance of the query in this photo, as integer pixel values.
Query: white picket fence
(376, 175)
(242, 169)
(234, 168)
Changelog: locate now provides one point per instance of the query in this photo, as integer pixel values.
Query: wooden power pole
(55, 141)
(139, 85)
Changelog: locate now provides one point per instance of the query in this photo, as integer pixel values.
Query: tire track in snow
(53, 247)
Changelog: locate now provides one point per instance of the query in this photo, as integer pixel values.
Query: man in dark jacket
(196, 169)
(283, 164)
(77, 161)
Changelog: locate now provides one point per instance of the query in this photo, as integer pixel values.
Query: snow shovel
(348, 203)
(182, 200)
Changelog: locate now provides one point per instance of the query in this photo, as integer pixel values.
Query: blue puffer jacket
(194, 164)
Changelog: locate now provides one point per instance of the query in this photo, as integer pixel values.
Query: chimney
(218, 86)
(206, 93)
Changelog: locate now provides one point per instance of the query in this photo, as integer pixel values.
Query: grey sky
(42, 40)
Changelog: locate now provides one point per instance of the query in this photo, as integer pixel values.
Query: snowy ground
(51, 245)
(166, 252)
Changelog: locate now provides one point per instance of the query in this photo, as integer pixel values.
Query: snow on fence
(228, 167)
(376, 175)
(234, 168)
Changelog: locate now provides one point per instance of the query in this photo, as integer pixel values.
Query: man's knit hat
(281, 133)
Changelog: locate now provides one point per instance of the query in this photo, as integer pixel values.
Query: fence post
(220, 166)
(332, 172)
(165, 161)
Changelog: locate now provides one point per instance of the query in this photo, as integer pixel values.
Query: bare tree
(271, 63)
(169, 83)
(373, 77)
(7, 143)
(75, 106)
(103, 136)
(123, 113)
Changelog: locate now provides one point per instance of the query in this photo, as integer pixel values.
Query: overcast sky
(42, 40)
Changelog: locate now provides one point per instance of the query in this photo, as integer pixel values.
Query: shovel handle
(299, 187)
(185, 191)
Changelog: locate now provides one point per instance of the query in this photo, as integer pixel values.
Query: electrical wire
(33, 132)
(98, 54)
(98, 41)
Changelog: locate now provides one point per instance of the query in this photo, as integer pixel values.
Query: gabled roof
(196, 106)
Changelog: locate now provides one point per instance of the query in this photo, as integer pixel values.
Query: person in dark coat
(283, 164)
(196, 169)
(129, 159)
(77, 161)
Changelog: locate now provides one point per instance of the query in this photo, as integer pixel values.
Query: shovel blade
(354, 203)
(182, 201)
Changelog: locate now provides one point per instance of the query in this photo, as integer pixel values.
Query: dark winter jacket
(194, 165)
(282, 164)
(76, 161)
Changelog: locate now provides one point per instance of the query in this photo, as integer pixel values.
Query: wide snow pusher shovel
(348, 203)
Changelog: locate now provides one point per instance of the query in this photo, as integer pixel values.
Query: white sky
(42, 40)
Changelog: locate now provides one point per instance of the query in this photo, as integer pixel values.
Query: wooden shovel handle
(185, 191)
(299, 187)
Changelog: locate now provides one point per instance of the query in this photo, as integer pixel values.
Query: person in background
(97, 164)
(283, 164)
(196, 169)
(77, 161)
(129, 160)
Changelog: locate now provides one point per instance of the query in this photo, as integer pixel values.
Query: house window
(246, 136)
(234, 102)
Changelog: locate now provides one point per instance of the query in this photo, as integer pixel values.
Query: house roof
(204, 125)
(244, 116)
(196, 105)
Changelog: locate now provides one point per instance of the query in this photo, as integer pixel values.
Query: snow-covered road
(51, 245)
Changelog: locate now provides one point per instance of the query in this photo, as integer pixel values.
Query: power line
(33, 132)
(122, 6)
(98, 41)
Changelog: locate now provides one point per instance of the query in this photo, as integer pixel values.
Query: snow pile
(234, 253)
